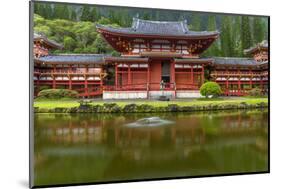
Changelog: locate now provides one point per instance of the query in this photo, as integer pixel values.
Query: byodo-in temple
(157, 58)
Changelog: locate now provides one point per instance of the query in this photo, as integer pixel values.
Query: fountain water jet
(150, 122)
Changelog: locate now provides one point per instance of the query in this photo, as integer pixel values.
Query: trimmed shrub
(145, 108)
(57, 94)
(130, 108)
(255, 92)
(210, 89)
(173, 108)
(111, 107)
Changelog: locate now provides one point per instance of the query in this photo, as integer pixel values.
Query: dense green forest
(74, 26)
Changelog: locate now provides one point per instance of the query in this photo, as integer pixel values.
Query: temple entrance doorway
(165, 73)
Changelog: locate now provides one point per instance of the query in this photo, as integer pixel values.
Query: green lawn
(49, 104)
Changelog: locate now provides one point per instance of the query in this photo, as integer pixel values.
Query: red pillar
(202, 75)
(101, 80)
(69, 77)
(251, 79)
(172, 74)
(239, 84)
(192, 77)
(116, 75)
(54, 78)
(129, 75)
(86, 80)
(148, 74)
(86, 85)
(227, 84)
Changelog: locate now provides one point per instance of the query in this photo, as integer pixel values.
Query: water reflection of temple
(73, 133)
(197, 144)
(185, 133)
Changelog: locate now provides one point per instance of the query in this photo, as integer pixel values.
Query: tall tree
(85, 13)
(195, 22)
(61, 11)
(112, 16)
(116, 16)
(146, 15)
(57, 11)
(258, 30)
(48, 11)
(101, 46)
(36, 8)
(266, 28)
(236, 36)
(40, 9)
(65, 12)
(126, 19)
(94, 15)
(246, 37)
(226, 42)
(73, 16)
(212, 26)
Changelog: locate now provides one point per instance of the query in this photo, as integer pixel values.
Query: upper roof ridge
(153, 25)
(137, 20)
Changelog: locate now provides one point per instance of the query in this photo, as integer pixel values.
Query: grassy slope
(72, 103)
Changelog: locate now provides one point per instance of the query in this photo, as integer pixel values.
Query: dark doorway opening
(165, 76)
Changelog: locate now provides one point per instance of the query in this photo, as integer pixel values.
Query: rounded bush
(57, 93)
(210, 89)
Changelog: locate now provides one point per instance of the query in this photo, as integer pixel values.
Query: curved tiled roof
(236, 61)
(160, 26)
(125, 59)
(194, 60)
(263, 44)
(73, 58)
(52, 43)
(165, 28)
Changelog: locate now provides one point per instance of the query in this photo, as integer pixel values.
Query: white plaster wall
(188, 94)
(124, 95)
(152, 94)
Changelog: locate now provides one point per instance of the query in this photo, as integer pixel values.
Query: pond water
(79, 148)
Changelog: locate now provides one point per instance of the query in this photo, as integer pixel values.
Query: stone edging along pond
(145, 108)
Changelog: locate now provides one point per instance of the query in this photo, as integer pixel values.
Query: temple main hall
(157, 58)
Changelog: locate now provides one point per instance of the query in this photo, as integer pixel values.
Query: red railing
(187, 86)
(151, 87)
(225, 73)
(241, 92)
(133, 87)
(164, 86)
(50, 72)
(235, 92)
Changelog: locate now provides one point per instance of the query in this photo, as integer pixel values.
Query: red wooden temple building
(157, 58)
(81, 72)
(237, 76)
